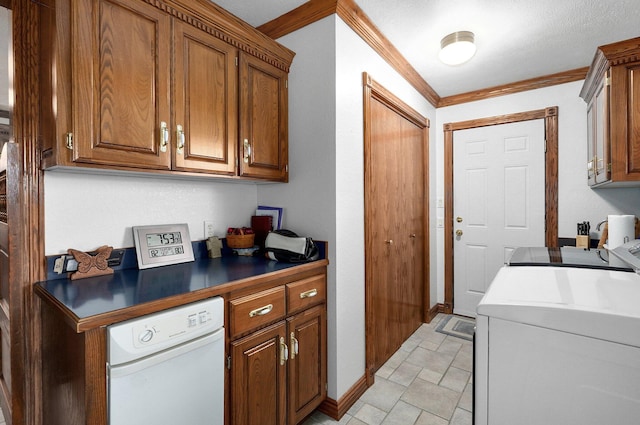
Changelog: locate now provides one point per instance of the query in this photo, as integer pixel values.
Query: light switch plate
(208, 229)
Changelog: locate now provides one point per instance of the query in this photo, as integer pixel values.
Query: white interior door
(499, 203)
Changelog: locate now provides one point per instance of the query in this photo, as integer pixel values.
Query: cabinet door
(206, 109)
(625, 122)
(602, 161)
(263, 120)
(258, 374)
(121, 68)
(307, 363)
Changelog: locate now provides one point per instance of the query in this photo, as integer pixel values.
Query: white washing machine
(559, 345)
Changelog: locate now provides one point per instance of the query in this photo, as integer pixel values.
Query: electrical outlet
(440, 203)
(440, 222)
(208, 229)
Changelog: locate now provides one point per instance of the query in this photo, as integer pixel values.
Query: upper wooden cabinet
(612, 93)
(164, 86)
(263, 119)
(206, 107)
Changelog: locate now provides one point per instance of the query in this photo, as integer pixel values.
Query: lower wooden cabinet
(278, 373)
(307, 386)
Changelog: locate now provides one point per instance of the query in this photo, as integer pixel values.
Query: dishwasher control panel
(154, 332)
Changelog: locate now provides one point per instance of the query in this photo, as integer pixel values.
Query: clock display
(162, 245)
(162, 239)
(166, 251)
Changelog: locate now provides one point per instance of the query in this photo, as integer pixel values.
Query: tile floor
(428, 381)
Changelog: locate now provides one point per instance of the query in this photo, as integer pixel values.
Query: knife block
(582, 241)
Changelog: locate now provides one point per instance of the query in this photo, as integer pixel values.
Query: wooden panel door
(121, 70)
(307, 363)
(395, 223)
(263, 120)
(206, 108)
(258, 378)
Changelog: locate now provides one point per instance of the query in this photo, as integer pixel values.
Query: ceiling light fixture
(457, 48)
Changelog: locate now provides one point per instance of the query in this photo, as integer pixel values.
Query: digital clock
(161, 245)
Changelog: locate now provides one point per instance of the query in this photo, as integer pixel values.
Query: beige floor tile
(455, 379)
(466, 401)
(428, 381)
(384, 394)
(371, 415)
(432, 360)
(432, 398)
(461, 417)
(402, 414)
(405, 374)
(431, 376)
(427, 418)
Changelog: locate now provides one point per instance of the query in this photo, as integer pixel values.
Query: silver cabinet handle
(309, 294)
(164, 136)
(294, 346)
(261, 311)
(247, 150)
(180, 134)
(284, 351)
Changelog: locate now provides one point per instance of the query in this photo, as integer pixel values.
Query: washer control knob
(146, 335)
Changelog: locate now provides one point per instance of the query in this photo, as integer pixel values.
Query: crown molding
(515, 87)
(360, 23)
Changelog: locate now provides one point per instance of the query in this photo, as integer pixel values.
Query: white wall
(325, 196)
(84, 211)
(577, 202)
(5, 41)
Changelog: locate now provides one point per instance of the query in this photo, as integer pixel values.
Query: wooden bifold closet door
(396, 233)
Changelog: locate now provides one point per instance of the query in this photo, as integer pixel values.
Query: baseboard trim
(336, 409)
(433, 312)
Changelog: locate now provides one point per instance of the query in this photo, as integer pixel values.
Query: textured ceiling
(516, 39)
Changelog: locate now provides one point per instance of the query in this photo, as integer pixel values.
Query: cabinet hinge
(286, 168)
(69, 141)
(545, 145)
(286, 84)
(236, 61)
(609, 167)
(607, 81)
(229, 362)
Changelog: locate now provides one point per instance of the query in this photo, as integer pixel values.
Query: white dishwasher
(167, 368)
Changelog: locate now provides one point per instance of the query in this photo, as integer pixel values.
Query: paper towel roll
(622, 228)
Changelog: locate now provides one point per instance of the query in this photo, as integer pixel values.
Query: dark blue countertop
(128, 288)
(129, 292)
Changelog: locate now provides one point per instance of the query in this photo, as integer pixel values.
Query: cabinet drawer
(307, 292)
(251, 312)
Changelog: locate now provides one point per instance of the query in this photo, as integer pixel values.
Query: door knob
(412, 236)
(389, 242)
(458, 232)
(459, 219)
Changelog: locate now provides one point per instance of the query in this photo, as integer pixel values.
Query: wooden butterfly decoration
(92, 264)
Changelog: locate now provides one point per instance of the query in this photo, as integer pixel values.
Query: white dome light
(457, 48)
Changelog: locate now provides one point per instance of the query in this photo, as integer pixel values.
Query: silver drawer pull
(310, 293)
(261, 311)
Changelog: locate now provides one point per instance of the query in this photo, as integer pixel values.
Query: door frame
(550, 117)
(374, 90)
